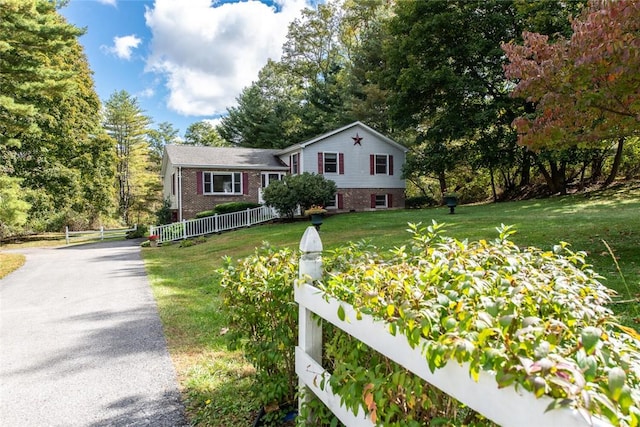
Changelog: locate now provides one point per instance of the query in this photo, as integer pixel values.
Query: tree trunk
(493, 185)
(554, 177)
(525, 175)
(443, 182)
(617, 160)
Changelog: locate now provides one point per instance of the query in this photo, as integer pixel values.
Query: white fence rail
(506, 406)
(212, 224)
(98, 234)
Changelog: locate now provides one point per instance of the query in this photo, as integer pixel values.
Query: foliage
(50, 118)
(263, 318)
(35, 39)
(304, 190)
(419, 202)
(584, 88)
(140, 232)
(13, 207)
(204, 214)
(204, 134)
(125, 122)
(162, 135)
(230, 207)
(163, 215)
(538, 319)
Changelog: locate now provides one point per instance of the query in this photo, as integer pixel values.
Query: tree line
(494, 98)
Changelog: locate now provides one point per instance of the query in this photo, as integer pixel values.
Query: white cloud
(108, 2)
(209, 53)
(146, 93)
(123, 46)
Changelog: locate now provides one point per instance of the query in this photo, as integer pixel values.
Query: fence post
(248, 217)
(102, 232)
(309, 328)
(216, 225)
(66, 234)
(184, 229)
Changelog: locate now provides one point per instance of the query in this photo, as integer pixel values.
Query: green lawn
(217, 383)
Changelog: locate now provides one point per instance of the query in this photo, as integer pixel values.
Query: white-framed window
(333, 203)
(381, 201)
(222, 182)
(295, 167)
(382, 164)
(330, 162)
(269, 177)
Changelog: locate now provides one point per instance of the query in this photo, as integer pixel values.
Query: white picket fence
(506, 406)
(212, 224)
(97, 234)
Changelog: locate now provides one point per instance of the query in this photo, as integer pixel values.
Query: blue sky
(184, 60)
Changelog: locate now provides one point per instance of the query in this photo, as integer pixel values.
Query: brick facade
(359, 199)
(192, 202)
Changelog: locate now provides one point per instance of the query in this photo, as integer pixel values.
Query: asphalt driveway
(81, 343)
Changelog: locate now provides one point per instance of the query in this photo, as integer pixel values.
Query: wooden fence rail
(98, 234)
(505, 406)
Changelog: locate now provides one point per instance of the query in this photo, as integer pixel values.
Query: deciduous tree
(586, 88)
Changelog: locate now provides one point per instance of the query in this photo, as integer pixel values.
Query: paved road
(81, 343)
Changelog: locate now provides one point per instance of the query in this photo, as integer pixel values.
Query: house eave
(233, 167)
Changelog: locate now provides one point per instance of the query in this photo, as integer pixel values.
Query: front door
(268, 178)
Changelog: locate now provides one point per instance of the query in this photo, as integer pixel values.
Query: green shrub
(230, 207)
(419, 202)
(303, 190)
(186, 243)
(205, 214)
(538, 319)
(163, 215)
(224, 208)
(263, 318)
(141, 231)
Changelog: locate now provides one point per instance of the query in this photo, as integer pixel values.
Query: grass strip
(10, 262)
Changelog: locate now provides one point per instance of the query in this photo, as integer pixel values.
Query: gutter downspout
(180, 193)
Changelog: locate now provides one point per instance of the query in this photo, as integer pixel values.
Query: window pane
(330, 162)
(237, 183)
(207, 182)
(381, 201)
(381, 164)
(331, 203)
(222, 183)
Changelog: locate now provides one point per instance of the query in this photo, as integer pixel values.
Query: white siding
(167, 185)
(356, 159)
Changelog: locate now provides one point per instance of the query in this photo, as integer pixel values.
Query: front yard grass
(217, 383)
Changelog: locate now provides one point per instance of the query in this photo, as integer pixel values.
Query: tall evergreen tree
(126, 123)
(204, 134)
(32, 33)
(50, 118)
(162, 135)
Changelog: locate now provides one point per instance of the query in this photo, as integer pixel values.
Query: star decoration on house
(357, 139)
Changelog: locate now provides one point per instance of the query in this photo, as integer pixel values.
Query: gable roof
(223, 157)
(301, 145)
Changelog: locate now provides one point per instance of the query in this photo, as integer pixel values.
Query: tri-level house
(365, 165)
